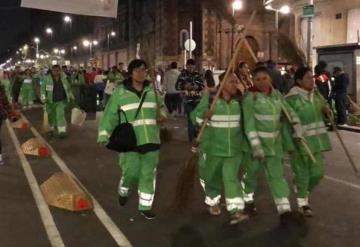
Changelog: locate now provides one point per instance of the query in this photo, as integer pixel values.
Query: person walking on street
(6, 83)
(340, 93)
(223, 137)
(311, 108)
(27, 90)
(56, 94)
(135, 101)
(191, 84)
(263, 107)
(172, 96)
(276, 76)
(114, 79)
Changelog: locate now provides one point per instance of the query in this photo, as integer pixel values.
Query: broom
(188, 173)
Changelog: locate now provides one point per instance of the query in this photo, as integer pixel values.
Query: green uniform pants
(141, 169)
(274, 173)
(307, 175)
(222, 172)
(27, 95)
(56, 115)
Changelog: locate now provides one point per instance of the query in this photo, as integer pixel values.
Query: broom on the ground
(188, 173)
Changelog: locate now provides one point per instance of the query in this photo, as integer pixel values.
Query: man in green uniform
(56, 94)
(27, 90)
(222, 155)
(310, 107)
(138, 166)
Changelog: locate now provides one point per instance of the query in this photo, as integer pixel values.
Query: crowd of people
(260, 116)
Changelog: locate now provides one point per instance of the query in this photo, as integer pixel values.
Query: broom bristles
(185, 184)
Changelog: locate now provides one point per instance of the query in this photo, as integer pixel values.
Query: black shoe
(250, 209)
(306, 211)
(148, 214)
(123, 200)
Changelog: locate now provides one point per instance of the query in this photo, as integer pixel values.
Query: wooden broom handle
(230, 69)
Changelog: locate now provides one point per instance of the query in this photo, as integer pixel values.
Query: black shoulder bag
(123, 138)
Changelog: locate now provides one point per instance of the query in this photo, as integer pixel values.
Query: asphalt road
(335, 203)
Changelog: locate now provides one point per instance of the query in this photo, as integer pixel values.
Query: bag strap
(119, 114)
(141, 104)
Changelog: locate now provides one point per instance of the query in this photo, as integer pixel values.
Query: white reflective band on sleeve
(144, 122)
(104, 133)
(227, 118)
(199, 120)
(202, 183)
(27, 81)
(253, 134)
(282, 205)
(314, 125)
(235, 203)
(267, 117)
(316, 132)
(302, 202)
(224, 124)
(268, 134)
(135, 106)
(212, 202)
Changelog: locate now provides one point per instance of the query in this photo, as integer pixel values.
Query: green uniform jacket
(7, 85)
(264, 121)
(308, 106)
(223, 135)
(145, 125)
(115, 77)
(77, 79)
(47, 88)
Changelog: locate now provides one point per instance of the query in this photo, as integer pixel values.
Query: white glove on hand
(298, 131)
(258, 153)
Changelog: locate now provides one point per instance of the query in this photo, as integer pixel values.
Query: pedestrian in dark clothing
(191, 84)
(322, 81)
(5, 111)
(172, 96)
(340, 92)
(276, 76)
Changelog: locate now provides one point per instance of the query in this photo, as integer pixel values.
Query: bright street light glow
(86, 43)
(67, 19)
(113, 33)
(49, 30)
(237, 5)
(42, 56)
(269, 7)
(37, 40)
(285, 9)
(75, 48)
(26, 47)
(62, 51)
(56, 50)
(95, 42)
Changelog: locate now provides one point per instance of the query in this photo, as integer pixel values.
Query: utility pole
(309, 37)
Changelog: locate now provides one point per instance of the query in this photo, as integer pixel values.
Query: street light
(111, 34)
(87, 43)
(62, 51)
(285, 9)
(49, 31)
(67, 19)
(37, 41)
(237, 5)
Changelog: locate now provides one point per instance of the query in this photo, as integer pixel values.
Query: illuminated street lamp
(111, 34)
(49, 32)
(62, 51)
(90, 44)
(237, 5)
(67, 19)
(37, 41)
(285, 10)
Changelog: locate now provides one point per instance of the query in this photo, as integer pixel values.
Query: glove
(298, 131)
(258, 153)
(103, 140)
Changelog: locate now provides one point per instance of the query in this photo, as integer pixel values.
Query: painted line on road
(45, 214)
(104, 218)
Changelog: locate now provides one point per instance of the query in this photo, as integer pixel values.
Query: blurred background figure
(172, 96)
(340, 93)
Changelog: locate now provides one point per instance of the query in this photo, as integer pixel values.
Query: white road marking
(46, 217)
(104, 218)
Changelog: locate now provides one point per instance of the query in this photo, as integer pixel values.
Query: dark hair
(190, 62)
(209, 77)
(322, 65)
(136, 63)
(121, 63)
(174, 65)
(300, 73)
(261, 70)
(337, 69)
(271, 64)
(56, 66)
(242, 64)
(114, 67)
(318, 70)
(64, 67)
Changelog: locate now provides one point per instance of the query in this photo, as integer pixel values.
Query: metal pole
(108, 42)
(309, 38)
(277, 36)
(191, 38)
